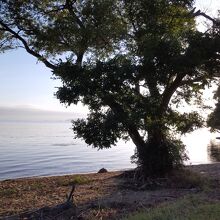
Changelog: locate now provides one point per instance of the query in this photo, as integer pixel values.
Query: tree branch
(203, 14)
(69, 7)
(131, 128)
(169, 91)
(26, 46)
(131, 17)
(190, 81)
(62, 7)
(152, 86)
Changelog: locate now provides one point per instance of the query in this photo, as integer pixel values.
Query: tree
(132, 62)
(214, 118)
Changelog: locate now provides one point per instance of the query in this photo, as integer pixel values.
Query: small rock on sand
(103, 170)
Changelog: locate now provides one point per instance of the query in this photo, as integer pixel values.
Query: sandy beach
(103, 195)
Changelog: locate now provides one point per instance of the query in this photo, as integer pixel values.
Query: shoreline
(65, 174)
(115, 195)
(87, 173)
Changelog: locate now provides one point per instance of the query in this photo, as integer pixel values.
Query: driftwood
(63, 211)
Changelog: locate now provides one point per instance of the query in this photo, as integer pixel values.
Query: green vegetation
(214, 117)
(132, 62)
(80, 180)
(36, 185)
(190, 208)
(214, 151)
(188, 179)
(10, 192)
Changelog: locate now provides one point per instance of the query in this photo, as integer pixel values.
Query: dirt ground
(108, 195)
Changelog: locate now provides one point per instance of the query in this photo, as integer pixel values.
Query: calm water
(33, 144)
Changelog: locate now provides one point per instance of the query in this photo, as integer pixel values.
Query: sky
(27, 83)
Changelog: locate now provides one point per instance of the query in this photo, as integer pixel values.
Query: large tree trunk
(157, 159)
(154, 155)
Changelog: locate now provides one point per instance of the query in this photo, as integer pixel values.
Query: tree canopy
(134, 63)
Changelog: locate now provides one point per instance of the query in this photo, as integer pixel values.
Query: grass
(79, 180)
(194, 207)
(188, 179)
(190, 208)
(8, 192)
(36, 186)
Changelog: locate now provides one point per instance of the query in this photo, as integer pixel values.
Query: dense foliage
(134, 63)
(214, 117)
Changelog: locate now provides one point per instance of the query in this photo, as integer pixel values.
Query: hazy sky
(24, 82)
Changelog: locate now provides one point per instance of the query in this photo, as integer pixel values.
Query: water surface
(34, 143)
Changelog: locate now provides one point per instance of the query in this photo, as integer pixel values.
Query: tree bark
(153, 155)
(158, 160)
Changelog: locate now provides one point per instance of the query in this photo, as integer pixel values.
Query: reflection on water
(48, 148)
(213, 150)
(34, 143)
(196, 146)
